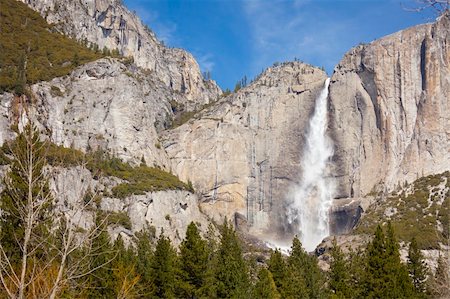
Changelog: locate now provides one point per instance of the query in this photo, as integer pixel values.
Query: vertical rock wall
(390, 110)
(243, 154)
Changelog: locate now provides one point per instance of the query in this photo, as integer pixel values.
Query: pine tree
(304, 268)
(278, 268)
(356, 263)
(418, 270)
(231, 275)
(208, 290)
(385, 275)
(164, 269)
(400, 282)
(265, 286)
(339, 273)
(193, 262)
(144, 258)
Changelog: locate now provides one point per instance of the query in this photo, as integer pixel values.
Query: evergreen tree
(208, 290)
(101, 281)
(164, 269)
(231, 275)
(305, 268)
(385, 275)
(277, 266)
(401, 284)
(193, 262)
(144, 258)
(417, 268)
(339, 273)
(356, 264)
(265, 286)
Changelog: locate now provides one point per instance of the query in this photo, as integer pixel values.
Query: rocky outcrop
(108, 24)
(243, 154)
(344, 215)
(390, 110)
(168, 211)
(104, 104)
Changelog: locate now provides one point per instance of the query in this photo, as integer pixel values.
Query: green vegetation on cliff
(137, 179)
(420, 210)
(31, 51)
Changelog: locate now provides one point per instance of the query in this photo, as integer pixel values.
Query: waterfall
(310, 203)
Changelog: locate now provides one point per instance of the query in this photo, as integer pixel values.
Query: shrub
(415, 216)
(27, 39)
(119, 218)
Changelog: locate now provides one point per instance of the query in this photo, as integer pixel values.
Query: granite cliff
(390, 111)
(109, 24)
(243, 154)
(388, 117)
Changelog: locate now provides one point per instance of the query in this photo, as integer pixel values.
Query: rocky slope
(107, 23)
(169, 211)
(101, 105)
(390, 111)
(243, 154)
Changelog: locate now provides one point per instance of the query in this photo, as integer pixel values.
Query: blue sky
(233, 38)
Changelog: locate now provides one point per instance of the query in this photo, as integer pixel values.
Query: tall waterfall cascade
(309, 206)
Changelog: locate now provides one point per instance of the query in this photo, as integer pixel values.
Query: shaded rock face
(107, 23)
(344, 215)
(390, 110)
(243, 154)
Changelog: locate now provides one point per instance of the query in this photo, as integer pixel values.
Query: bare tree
(440, 6)
(25, 200)
(37, 254)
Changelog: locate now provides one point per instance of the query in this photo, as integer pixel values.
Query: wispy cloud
(205, 60)
(165, 30)
(284, 30)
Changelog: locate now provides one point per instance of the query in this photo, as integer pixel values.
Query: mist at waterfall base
(308, 205)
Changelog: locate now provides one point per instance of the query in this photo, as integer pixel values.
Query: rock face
(104, 104)
(344, 215)
(170, 211)
(243, 154)
(107, 23)
(390, 110)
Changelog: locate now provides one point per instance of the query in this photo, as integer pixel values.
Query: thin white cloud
(205, 60)
(282, 30)
(165, 30)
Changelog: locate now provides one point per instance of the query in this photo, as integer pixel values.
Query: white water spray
(313, 197)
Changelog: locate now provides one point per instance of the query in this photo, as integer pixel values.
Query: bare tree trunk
(29, 216)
